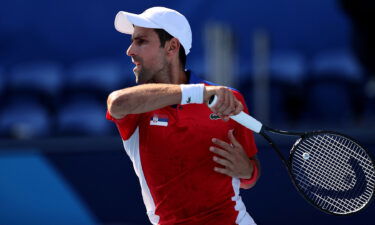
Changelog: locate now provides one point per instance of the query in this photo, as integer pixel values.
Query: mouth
(137, 65)
(135, 62)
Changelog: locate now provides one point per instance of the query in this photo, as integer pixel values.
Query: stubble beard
(142, 76)
(145, 75)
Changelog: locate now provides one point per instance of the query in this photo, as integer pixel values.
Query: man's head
(161, 37)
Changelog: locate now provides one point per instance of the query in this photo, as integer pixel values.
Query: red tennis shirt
(169, 148)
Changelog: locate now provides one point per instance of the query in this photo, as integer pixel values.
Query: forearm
(142, 98)
(149, 97)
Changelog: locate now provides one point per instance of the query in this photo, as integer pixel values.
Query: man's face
(147, 55)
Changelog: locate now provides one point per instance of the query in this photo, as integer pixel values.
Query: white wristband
(192, 93)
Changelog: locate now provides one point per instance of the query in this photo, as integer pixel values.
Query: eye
(140, 41)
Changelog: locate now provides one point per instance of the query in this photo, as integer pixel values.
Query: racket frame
(288, 162)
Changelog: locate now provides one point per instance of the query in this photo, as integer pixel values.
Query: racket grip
(242, 118)
(247, 121)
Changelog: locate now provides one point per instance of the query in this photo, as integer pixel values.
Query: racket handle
(242, 118)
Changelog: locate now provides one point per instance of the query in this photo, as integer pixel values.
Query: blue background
(61, 162)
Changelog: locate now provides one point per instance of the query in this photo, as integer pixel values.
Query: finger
(225, 118)
(218, 103)
(224, 104)
(230, 104)
(223, 162)
(222, 153)
(233, 139)
(239, 108)
(222, 144)
(223, 171)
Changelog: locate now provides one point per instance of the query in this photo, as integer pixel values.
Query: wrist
(208, 92)
(254, 174)
(192, 93)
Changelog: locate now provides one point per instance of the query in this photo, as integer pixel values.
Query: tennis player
(191, 160)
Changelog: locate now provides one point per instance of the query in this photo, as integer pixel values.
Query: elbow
(116, 104)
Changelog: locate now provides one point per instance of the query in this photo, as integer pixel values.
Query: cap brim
(124, 22)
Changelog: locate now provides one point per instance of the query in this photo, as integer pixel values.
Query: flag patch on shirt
(159, 120)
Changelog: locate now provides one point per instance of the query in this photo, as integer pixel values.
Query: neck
(173, 74)
(178, 76)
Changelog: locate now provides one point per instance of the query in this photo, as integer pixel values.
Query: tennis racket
(330, 170)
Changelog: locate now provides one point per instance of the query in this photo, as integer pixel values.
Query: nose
(131, 50)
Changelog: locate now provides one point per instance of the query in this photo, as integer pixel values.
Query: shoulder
(194, 79)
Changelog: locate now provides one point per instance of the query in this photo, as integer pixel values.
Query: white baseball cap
(159, 18)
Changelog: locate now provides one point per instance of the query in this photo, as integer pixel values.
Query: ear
(173, 46)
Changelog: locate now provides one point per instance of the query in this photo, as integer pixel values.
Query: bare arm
(149, 97)
(142, 98)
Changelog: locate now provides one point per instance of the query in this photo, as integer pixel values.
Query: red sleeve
(126, 125)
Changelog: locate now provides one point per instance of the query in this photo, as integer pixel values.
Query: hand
(227, 104)
(233, 157)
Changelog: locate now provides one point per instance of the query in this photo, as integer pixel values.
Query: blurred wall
(70, 30)
(89, 175)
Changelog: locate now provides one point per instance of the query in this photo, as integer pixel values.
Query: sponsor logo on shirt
(159, 120)
(213, 116)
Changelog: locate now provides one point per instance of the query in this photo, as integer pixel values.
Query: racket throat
(275, 147)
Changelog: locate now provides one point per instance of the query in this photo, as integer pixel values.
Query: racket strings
(360, 153)
(323, 177)
(365, 162)
(356, 167)
(327, 173)
(328, 177)
(337, 180)
(334, 165)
